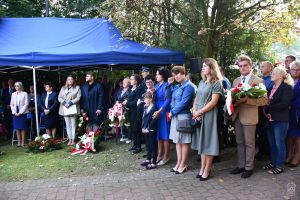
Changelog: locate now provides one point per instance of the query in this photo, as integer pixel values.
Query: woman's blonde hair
(20, 85)
(74, 82)
(126, 80)
(215, 72)
(285, 76)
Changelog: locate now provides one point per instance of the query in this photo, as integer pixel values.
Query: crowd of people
(170, 107)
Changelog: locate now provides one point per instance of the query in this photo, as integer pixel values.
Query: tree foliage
(221, 29)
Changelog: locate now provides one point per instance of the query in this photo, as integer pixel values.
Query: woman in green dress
(205, 140)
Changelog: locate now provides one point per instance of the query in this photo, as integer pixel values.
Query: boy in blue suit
(149, 129)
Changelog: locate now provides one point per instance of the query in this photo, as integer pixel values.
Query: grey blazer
(69, 95)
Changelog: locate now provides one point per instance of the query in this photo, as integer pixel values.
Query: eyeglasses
(17, 86)
(149, 82)
(296, 70)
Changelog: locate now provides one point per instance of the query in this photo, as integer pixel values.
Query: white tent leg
(35, 102)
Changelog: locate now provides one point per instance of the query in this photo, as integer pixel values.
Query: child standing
(149, 129)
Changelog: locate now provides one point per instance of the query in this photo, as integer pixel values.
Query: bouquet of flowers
(87, 142)
(82, 122)
(118, 115)
(243, 90)
(44, 143)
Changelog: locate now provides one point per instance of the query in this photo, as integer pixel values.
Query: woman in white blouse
(69, 97)
(19, 108)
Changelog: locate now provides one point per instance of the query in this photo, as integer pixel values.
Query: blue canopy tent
(36, 43)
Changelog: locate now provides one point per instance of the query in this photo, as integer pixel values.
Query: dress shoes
(247, 173)
(237, 170)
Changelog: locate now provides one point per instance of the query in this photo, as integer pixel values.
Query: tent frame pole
(35, 102)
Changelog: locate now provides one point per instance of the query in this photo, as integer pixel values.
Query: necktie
(10, 91)
(243, 79)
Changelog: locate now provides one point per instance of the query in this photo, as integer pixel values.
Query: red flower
(254, 84)
(240, 85)
(236, 90)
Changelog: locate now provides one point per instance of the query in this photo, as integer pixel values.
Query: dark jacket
(148, 122)
(6, 97)
(134, 96)
(92, 100)
(52, 102)
(121, 97)
(280, 103)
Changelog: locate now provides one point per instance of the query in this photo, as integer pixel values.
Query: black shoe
(198, 176)
(237, 170)
(172, 170)
(136, 151)
(132, 148)
(145, 156)
(204, 179)
(184, 170)
(247, 173)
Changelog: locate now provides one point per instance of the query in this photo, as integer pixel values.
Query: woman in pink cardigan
(19, 108)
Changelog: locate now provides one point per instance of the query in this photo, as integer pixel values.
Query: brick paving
(161, 184)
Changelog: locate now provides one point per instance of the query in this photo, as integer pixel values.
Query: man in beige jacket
(245, 118)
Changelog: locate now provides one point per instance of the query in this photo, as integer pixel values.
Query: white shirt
(18, 99)
(149, 108)
(46, 100)
(247, 78)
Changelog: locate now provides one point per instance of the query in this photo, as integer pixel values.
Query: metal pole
(47, 7)
(35, 103)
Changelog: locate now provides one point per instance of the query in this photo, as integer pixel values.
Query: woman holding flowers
(206, 140)
(69, 96)
(277, 112)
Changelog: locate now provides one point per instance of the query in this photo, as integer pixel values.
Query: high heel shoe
(173, 170)
(184, 170)
(205, 179)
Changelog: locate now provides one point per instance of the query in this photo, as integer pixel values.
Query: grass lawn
(17, 164)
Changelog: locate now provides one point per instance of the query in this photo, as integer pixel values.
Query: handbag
(184, 126)
(72, 110)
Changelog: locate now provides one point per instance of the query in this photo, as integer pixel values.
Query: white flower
(256, 87)
(246, 87)
(81, 118)
(45, 136)
(79, 125)
(262, 86)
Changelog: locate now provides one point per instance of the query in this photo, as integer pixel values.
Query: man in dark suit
(92, 99)
(6, 97)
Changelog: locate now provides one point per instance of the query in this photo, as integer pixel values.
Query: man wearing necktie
(6, 97)
(245, 118)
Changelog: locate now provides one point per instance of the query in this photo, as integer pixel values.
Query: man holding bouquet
(245, 118)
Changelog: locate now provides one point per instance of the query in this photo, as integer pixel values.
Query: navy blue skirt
(20, 122)
(50, 120)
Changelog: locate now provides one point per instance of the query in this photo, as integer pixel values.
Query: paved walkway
(161, 184)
